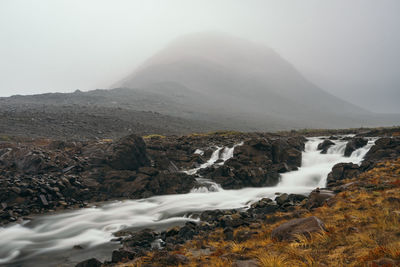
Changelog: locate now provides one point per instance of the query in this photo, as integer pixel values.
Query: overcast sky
(348, 48)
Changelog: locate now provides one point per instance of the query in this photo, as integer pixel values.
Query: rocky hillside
(81, 116)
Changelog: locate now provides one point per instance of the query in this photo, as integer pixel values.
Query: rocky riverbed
(40, 176)
(45, 175)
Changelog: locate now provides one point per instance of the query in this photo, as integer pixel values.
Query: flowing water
(49, 240)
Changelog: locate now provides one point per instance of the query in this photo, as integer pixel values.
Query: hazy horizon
(348, 49)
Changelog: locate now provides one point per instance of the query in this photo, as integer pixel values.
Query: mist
(347, 48)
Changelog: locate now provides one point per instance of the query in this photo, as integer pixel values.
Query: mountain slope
(232, 76)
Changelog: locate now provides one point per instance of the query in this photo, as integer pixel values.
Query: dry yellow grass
(363, 225)
(153, 136)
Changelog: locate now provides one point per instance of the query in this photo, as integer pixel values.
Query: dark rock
(264, 206)
(325, 145)
(243, 235)
(342, 171)
(281, 199)
(129, 153)
(166, 259)
(234, 221)
(90, 263)
(148, 171)
(228, 234)
(384, 148)
(304, 226)
(142, 239)
(122, 255)
(354, 144)
(186, 233)
(44, 200)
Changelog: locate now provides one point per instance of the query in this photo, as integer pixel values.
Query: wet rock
(304, 226)
(234, 221)
(354, 144)
(342, 171)
(142, 239)
(258, 162)
(93, 262)
(186, 232)
(264, 206)
(325, 145)
(122, 255)
(281, 199)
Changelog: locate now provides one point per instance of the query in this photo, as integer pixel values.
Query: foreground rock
(318, 198)
(304, 226)
(342, 171)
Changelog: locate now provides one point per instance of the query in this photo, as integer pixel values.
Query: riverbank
(361, 228)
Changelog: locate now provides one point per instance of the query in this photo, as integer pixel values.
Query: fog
(348, 48)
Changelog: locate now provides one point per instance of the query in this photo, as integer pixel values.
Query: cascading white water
(48, 240)
(208, 185)
(316, 166)
(214, 157)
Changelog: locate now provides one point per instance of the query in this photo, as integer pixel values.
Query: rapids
(49, 240)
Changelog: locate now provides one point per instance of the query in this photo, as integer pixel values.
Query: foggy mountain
(219, 76)
(200, 82)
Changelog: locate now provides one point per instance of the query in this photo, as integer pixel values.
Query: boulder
(384, 148)
(129, 153)
(317, 198)
(122, 255)
(303, 226)
(342, 171)
(142, 239)
(281, 199)
(354, 144)
(93, 262)
(325, 145)
(264, 206)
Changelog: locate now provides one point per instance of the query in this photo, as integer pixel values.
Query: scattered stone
(304, 226)
(318, 198)
(44, 200)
